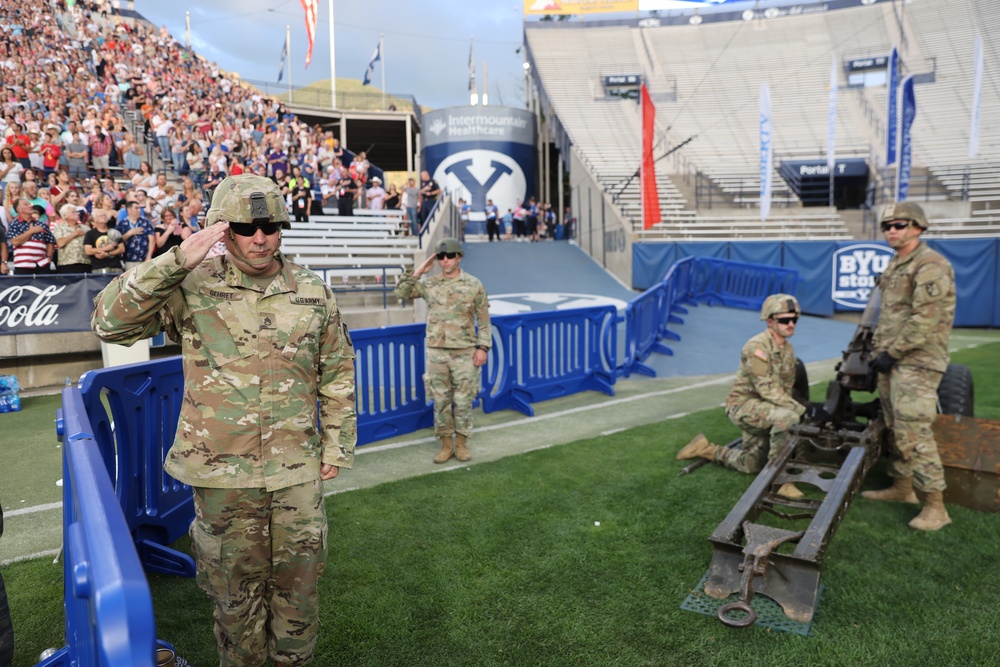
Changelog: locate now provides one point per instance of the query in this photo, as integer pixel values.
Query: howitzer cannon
(783, 561)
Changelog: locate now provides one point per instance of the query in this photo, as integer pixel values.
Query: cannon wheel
(800, 390)
(955, 393)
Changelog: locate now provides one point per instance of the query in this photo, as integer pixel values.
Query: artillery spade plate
(769, 613)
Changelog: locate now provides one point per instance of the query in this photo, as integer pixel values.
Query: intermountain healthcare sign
(854, 271)
(480, 153)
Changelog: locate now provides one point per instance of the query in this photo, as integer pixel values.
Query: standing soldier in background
(456, 303)
(262, 341)
(760, 403)
(910, 349)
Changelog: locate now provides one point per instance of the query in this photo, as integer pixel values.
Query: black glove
(816, 414)
(883, 363)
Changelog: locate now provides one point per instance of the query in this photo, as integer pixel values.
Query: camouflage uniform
(256, 362)
(918, 310)
(455, 305)
(6, 629)
(760, 403)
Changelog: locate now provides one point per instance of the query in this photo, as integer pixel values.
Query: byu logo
(478, 175)
(854, 271)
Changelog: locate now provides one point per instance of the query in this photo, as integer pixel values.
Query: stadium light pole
(333, 64)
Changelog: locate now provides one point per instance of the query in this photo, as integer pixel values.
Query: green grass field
(502, 563)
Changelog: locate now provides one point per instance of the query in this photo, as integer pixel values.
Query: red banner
(311, 7)
(647, 175)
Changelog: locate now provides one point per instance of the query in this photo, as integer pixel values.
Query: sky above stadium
(426, 43)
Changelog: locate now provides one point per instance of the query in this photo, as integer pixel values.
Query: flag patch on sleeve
(760, 354)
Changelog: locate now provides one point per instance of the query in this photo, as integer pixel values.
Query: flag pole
(288, 49)
(333, 64)
(381, 52)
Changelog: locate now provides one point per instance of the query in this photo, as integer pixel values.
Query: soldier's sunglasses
(250, 228)
(886, 226)
(449, 255)
(786, 320)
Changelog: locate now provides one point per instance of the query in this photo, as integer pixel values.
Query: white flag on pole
(977, 93)
(831, 130)
(766, 152)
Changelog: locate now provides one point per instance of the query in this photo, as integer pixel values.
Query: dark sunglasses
(786, 320)
(449, 255)
(886, 226)
(250, 228)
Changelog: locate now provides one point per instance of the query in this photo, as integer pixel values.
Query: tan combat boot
(447, 451)
(699, 447)
(901, 491)
(461, 451)
(933, 516)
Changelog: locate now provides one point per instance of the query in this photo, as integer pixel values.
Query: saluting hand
(425, 267)
(196, 246)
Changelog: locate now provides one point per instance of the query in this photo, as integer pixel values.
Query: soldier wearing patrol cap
(456, 349)
(262, 343)
(910, 355)
(760, 403)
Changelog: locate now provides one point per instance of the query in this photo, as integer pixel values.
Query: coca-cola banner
(49, 304)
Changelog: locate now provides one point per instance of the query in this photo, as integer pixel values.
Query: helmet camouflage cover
(449, 244)
(779, 303)
(904, 210)
(247, 198)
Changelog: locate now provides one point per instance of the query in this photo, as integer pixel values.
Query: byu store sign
(854, 270)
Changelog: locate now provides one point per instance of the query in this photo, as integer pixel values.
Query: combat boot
(901, 491)
(699, 447)
(447, 450)
(461, 451)
(933, 516)
(789, 490)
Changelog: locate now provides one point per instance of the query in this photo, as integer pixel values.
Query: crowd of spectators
(70, 73)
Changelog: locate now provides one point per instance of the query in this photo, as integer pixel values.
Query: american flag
(311, 7)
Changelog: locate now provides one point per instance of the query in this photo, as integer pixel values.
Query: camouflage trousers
(6, 629)
(259, 557)
(452, 381)
(765, 428)
(909, 405)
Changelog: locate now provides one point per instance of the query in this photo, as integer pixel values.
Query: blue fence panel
(645, 317)
(134, 410)
(739, 284)
(812, 259)
(109, 611)
(389, 375)
(975, 264)
(756, 252)
(650, 262)
(550, 354)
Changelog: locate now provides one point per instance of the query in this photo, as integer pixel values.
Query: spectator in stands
(910, 356)
(32, 194)
(10, 196)
(103, 245)
(131, 153)
(156, 193)
(138, 234)
(392, 198)
(10, 168)
(31, 239)
(61, 188)
(491, 220)
(347, 192)
(456, 350)
(145, 178)
(51, 151)
(69, 233)
(376, 195)
(4, 256)
(170, 232)
(196, 164)
(101, 146)
(21, 144)
(429, 192)
(257, 479)
(300, 192)
(760, 403)
(410, 200)
(76, 156)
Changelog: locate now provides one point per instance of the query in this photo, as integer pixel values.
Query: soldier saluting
(456, 350)
(262, 341)
(910, 349)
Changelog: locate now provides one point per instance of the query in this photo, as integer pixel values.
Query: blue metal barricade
(550, 354)
(739, 284)
(134, 410)
(109, 610)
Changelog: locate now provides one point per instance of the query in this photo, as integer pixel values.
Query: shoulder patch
(760, 354)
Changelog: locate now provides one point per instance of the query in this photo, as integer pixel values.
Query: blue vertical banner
(766, 152)
(891, 116)
(906, 140)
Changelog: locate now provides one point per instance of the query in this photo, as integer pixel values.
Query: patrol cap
(904, 210)
(779, 303)
(247, 198)
(449, 245)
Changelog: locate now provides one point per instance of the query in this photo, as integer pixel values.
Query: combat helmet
(905, 210)
(449, 244)
(247, 198)
(779, 303)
